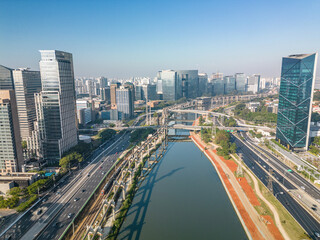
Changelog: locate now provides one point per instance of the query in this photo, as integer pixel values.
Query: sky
(126, 38)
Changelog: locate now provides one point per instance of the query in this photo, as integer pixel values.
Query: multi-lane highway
(49, 218)
(280, 166)
(260, 168)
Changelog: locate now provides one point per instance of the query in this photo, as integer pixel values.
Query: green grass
(291, 226)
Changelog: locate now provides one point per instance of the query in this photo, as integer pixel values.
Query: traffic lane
(299, 213)
(255, 158)
(293, 176)
(74, 208)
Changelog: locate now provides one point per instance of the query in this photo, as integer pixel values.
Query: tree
(24, 144)
(15, 191)
(112, 125)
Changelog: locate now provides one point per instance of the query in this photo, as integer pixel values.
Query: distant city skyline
(131, 39)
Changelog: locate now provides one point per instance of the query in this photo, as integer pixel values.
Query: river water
(182, 198)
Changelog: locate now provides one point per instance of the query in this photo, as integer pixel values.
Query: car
(39, 211)
(69, 215)
(76, 199)
(317, 234)
(88, 174)
(303, 188)
(100, 167)
(83, 190)
(57, 224)
(264, 166)
(58, 193)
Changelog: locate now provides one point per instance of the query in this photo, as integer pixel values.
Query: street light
(278, 193)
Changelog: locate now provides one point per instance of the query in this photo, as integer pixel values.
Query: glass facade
(241, 82)
(125, 99)
(58, 102)
(170, 85)
(295, 99)
(230, 84)
(189, 82)
(218, 86)
(6, 79)
(203, 83)
(26, 83)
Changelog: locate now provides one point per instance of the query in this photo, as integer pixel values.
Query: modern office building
(57, 118)
(295, 99)
(125, 105)
(6, 78)
(105, 94)
(203, 83)
(11, 157)
(230, 84)
(113, 94)
(189, 81)
(170, 85)
(253, 84)
(149, 91)
(241, 82)
(26, 83)
(138, 92)
(218, 86)
(84, 111)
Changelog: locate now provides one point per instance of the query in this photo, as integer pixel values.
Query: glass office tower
(170, 85)
(6, 79)
(241, 82)
(125, 98)
(26, 83)
(189, 82)
(295, 99)
(58, 104)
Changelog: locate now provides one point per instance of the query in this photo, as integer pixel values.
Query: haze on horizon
(121, 39)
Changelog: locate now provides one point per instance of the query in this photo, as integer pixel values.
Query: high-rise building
(149, 92)
(218, 86)
(230, 84)
(171, 87)
(26, 83)
(113, 94)
(241, 82)
(189, 81)
(253, 84)
(57, 110)
(203, 83)
(6, 79)
(295, 99)
(125, 105)
(103, 82)
(138, 92)
(105, 94)
(11, 157)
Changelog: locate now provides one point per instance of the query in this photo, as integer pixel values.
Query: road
(260, 167)
(280, 166)
(62, 197)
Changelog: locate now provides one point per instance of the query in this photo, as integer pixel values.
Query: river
(182, 198)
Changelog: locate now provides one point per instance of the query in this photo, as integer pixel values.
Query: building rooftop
(299, 56)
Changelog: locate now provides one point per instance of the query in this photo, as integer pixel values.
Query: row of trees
(223, 139)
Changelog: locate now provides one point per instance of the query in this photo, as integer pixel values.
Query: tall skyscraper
(241, 82)
(295, 99)
(11, 157)
(57, 110)
(253, 84)
(189, 81)
(6, 79)
(171, 88)
(125, 98)
(113, 94)
(26, 83)
(149, 91)
(203, 83)
(230, 84)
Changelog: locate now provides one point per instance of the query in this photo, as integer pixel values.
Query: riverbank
(241, 195)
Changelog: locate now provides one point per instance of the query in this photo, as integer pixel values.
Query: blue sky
(122, 38)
